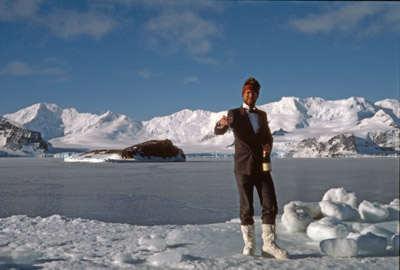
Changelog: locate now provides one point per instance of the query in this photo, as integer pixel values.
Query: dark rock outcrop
(342, 144)
(347, 145)
(280, 132)
(18, 138)
(338, 146)
(154, 150)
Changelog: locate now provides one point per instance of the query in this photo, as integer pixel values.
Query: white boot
(270, 247)
(249, 237)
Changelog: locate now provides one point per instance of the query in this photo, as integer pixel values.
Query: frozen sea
(198, 191)
(57, 215)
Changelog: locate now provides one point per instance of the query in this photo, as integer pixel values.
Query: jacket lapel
(259, 119)
(247, 120)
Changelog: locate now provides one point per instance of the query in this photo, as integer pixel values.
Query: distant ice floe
(93, 158)
(342, 228)
(65, 154)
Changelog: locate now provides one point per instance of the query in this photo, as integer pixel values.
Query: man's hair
(252, 81)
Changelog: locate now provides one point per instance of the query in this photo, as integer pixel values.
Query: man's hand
(223, 121)
(267, 148)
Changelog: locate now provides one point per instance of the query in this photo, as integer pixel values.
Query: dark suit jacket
(248, 145)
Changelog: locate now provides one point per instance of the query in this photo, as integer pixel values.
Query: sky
(148, 58)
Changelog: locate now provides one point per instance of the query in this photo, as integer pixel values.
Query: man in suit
(252, 137)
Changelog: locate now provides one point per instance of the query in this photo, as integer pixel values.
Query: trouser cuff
(270, 221)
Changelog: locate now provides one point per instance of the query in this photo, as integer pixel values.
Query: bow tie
(252, 110)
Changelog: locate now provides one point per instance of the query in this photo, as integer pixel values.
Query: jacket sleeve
(221, 130)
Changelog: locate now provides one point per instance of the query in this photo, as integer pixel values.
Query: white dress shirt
(254, 118)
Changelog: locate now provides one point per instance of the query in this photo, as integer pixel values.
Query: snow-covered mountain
(314, 124)
(70, 128)
(311, 127)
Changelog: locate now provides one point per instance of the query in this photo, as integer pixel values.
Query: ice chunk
(373, 212)
(327, 228)
(358, 227)
(154, 242)
(122, 258)
(395, 203)
(339, 210)
(379, 231)
(166, 258)
(75, 256)
(312, 208)
(353, 235)
(175, 237)
(339, 247)
(295, 218)
(371, 244)
(21, 255)
(393, 209)
(395, 243)
(341, 195)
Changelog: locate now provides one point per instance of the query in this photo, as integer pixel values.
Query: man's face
(250, 97)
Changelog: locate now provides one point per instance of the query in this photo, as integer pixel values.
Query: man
(252, 137)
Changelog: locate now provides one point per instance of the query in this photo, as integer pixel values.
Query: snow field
(325, 223)
(58, 242)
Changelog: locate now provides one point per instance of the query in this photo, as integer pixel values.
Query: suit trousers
(266, 192)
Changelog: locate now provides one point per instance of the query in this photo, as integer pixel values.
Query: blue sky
(147, 58)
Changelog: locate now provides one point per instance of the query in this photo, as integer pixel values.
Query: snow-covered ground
(61, 243)
(58, 242)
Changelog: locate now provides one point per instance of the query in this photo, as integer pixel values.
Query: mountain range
(310, 127)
